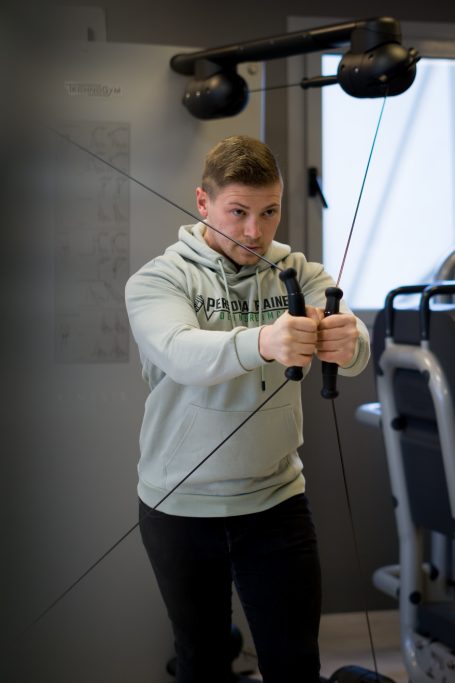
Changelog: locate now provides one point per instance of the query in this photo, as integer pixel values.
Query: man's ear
(202, 202)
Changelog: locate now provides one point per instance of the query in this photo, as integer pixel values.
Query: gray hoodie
(196, 319)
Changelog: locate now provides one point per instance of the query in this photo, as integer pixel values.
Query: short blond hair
(239, 159)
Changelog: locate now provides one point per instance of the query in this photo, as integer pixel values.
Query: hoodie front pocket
(258, 449)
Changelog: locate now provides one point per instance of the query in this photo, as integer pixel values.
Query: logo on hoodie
(272, 308)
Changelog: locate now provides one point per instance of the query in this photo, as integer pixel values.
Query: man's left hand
(337, 338)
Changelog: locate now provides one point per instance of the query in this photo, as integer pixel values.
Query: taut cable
(335, 419)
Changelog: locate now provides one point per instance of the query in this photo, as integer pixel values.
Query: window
(406, 219)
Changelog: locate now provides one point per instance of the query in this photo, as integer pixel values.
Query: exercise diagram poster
(92, 227)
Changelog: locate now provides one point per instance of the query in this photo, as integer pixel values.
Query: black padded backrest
(419, 438)
(407, 331)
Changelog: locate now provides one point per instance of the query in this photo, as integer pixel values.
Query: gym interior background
(56, 522)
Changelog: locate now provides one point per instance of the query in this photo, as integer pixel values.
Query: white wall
(76, 395)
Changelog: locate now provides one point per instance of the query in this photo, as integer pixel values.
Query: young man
(214, 335)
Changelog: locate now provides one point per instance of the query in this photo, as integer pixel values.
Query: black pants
(272, 558)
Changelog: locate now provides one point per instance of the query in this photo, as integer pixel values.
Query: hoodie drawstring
(258, 285)
(226, 289)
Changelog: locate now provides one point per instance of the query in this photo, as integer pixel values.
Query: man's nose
(253, 227)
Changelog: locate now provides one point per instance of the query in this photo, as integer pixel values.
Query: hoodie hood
(193, 247)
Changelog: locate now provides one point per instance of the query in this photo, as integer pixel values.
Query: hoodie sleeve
(166, 329)
(314, 281)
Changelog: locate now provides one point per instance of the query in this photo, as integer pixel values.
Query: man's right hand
(291, 340)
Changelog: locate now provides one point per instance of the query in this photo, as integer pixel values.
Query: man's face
(248, 214)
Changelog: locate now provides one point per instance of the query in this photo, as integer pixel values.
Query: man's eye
(238, 212)
(270, 212)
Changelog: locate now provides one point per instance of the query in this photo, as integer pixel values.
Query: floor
(344, 641)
